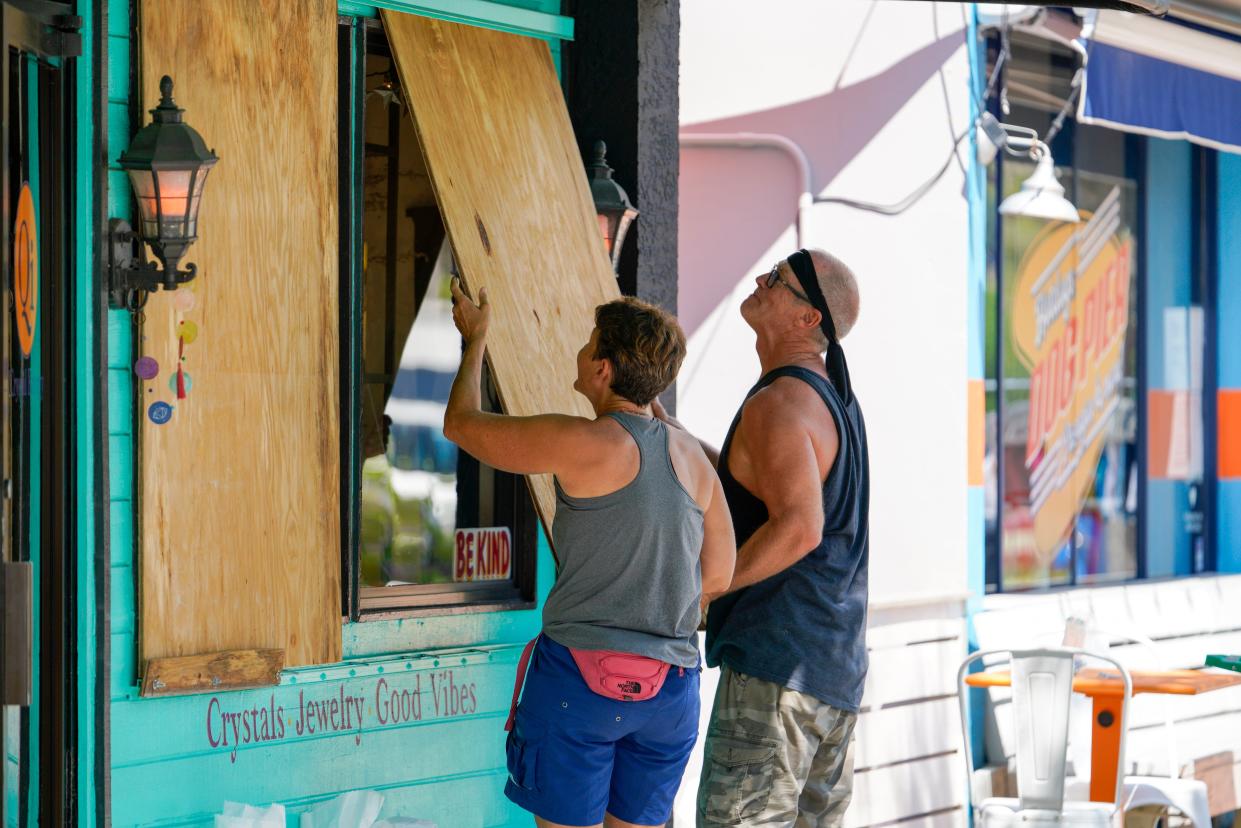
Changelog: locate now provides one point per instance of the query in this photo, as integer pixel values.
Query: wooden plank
(240, 531)
(897, 792)
(1196, 738)
(907, 732)
(914, 672)
(232, 670)
(904, 633)
(1178, 653)
(509, 180)
(1151, 710)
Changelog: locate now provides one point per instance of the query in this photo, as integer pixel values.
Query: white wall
(858, 86)
(873, 92)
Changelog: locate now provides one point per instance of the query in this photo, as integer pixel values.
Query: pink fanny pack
(620, 676)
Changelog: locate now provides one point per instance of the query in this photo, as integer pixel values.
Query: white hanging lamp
(1041, 196)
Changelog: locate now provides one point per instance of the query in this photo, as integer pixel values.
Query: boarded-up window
(505, 167)
(240, 531)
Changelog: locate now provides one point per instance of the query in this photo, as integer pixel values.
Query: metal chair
(1042, 683)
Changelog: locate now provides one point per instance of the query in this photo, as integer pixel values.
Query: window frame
(358, 37)
(1065, 150)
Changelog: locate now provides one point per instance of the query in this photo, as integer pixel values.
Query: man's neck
(773, 354)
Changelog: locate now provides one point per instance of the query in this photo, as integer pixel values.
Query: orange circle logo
(25, 270)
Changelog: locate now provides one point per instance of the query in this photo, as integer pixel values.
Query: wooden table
(1105, 689)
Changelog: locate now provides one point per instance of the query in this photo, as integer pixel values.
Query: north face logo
(632, 688)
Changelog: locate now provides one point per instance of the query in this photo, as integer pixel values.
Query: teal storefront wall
(323, 730)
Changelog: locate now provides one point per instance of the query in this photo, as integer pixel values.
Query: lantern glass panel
(174, 200)
(191, 228)
(607, 228)
(143, 182)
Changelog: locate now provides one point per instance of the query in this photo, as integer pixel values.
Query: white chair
(1042, 683)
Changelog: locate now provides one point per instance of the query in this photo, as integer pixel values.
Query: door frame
(38, 36)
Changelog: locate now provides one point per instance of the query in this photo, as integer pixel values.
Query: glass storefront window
(1070, 389)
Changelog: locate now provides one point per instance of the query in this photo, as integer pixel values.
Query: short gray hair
(840, 290)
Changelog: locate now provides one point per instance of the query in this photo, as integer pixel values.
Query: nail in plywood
(233, 670)
(240, 538)
(510, 183)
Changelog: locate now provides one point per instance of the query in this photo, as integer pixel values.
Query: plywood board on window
(240, 540)
(510, 183)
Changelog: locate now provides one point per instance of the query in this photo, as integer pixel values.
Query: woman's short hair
(645, 345)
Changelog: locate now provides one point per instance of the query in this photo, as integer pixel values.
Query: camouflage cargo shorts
(774, 757)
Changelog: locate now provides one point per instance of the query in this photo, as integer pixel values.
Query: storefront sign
(25, 270)
(1069, 322)
(232, 723)
(483, 554)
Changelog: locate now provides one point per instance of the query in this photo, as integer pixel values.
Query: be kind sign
(483, 554)
(1070, 319)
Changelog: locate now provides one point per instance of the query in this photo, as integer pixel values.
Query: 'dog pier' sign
(483, 554)
(1070, 318)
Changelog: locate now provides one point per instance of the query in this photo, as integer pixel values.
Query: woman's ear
(603, 370)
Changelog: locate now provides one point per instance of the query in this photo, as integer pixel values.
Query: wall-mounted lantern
(167, 162)
(611, 204)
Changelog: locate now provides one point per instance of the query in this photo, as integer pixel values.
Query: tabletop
(1102, 681)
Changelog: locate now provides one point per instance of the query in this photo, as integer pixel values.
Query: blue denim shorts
(574, 755)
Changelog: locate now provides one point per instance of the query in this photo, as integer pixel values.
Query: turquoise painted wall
(175, 761)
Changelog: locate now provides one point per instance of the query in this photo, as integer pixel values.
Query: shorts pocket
(522, 760)
(737, 780)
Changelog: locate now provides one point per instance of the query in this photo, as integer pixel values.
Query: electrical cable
(922, 189)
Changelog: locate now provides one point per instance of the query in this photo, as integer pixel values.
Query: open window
(434, 527)
(490, 164)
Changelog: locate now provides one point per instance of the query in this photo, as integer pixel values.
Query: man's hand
(471, 320)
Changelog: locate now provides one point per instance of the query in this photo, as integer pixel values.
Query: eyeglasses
(774, 278)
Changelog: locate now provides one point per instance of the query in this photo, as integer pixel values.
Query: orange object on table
(1105, 688)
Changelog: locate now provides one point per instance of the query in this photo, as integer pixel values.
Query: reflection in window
(435, 527)
(1066, 507)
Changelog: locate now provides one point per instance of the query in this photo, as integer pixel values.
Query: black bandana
(837, 368)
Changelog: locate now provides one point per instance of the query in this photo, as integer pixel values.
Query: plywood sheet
(510, 183)
(212, 672)
(240, 537)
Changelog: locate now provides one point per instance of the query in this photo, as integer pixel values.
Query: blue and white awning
(1163, 78)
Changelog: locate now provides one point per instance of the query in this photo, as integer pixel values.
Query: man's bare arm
(785, 473)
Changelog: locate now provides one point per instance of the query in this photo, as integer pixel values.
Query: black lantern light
(167, 162)
(611, 203)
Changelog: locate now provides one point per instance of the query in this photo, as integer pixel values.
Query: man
(790, 633)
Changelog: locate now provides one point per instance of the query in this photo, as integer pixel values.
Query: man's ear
(811, 318)
(605, 371)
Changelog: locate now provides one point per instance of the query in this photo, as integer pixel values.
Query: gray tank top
(629, 575)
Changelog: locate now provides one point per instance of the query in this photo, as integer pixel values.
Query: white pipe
(764, 140)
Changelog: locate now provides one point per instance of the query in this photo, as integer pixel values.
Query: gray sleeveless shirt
(629, 575)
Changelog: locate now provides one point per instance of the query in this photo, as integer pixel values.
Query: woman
(609, 712)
